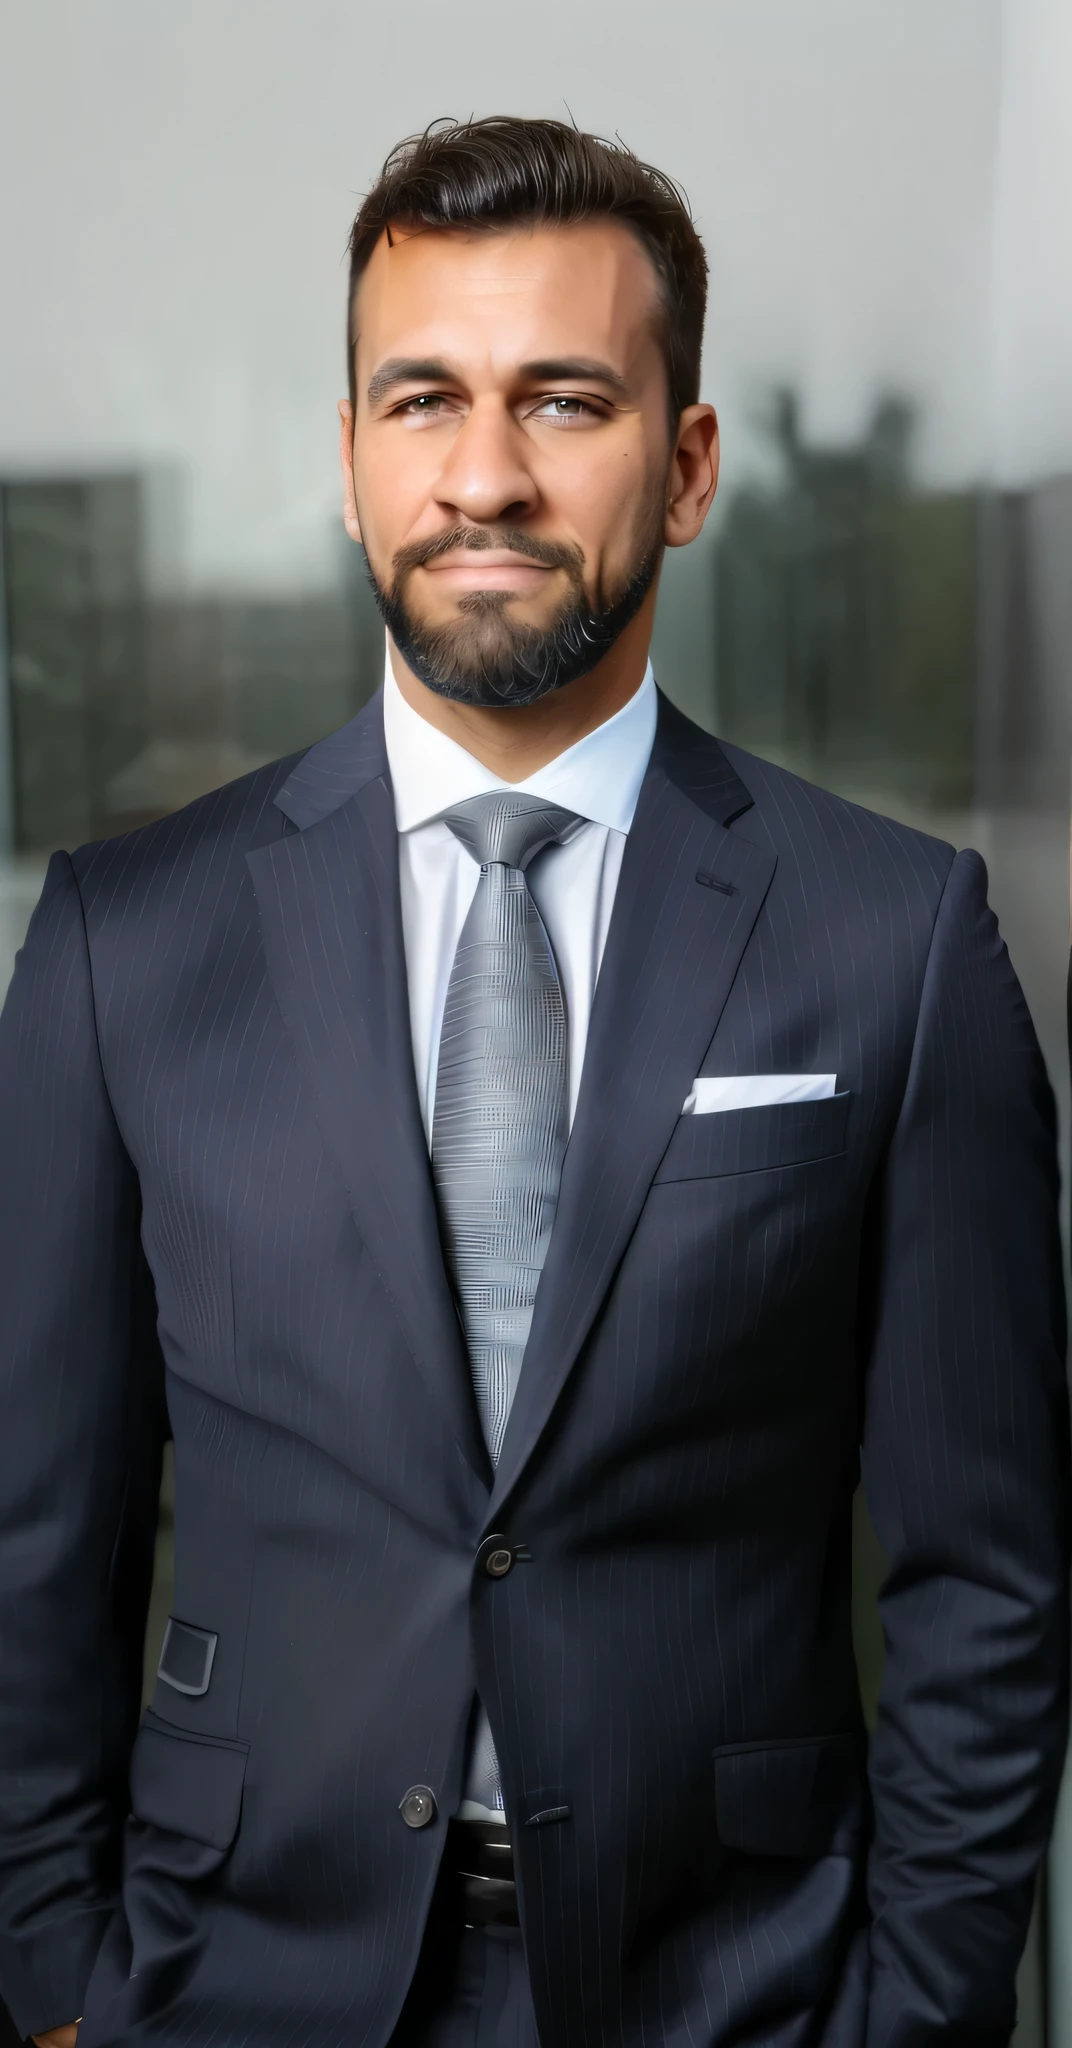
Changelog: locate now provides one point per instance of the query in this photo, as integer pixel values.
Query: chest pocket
(754, 1140)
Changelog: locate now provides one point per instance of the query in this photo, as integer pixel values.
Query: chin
(481, 639)
(477, 667)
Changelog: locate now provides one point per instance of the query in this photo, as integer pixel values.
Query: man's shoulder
(214, 833)
(813, 826)
(206, 838)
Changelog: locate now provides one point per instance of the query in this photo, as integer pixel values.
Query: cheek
(393, 486)
(615, 507)
(604, 481)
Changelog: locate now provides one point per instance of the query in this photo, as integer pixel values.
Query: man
(527, 1146)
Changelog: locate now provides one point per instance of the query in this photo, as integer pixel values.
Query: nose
(486, 476)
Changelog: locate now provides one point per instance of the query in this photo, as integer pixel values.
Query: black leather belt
(480, 1863)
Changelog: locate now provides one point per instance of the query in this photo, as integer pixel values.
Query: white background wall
(1031, 278)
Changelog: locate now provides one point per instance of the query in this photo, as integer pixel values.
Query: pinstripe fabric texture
(218, 1217)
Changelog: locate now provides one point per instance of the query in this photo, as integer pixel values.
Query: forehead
(516, 294)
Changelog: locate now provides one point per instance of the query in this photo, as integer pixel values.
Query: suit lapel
(329, 901)
(673, 950)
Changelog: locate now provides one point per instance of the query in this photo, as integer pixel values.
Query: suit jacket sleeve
(966, 1466)
(79, 1471)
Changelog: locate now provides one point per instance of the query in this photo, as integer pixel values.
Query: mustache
(550, 554)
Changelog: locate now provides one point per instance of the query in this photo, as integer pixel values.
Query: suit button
(495, 1557)
(418, 1807)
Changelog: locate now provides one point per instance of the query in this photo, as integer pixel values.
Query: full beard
(487, 657)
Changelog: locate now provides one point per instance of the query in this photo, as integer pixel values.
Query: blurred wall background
(882, 599)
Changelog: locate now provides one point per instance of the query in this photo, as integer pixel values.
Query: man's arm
(80, 1433)
(966, 1467)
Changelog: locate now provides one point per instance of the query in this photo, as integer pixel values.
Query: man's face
(511, 450)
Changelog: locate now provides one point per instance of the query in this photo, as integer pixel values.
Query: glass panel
(124, 706)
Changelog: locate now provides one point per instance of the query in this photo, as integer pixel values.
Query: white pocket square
(755, 1091)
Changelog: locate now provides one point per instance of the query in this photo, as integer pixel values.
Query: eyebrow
(405, 370)
(573, 370)
(432, 370)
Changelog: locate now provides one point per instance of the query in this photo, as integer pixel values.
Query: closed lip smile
(489, 569)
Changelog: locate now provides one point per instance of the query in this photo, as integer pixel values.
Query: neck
(514, 741)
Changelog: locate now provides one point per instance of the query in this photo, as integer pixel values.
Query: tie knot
(506, 826)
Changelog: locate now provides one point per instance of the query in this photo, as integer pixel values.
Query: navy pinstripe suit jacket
(218, 1218)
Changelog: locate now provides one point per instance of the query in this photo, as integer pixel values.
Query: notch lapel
(673, 949)
(331, 921)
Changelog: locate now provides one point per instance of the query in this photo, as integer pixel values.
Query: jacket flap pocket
(791, 1798)
(188, 1784)
(747, 1140)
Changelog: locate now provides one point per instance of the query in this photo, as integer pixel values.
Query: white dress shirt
(574, 887)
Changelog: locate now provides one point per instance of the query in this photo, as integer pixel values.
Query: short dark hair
(505, 170)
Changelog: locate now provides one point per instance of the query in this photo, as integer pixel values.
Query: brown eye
(565, 408)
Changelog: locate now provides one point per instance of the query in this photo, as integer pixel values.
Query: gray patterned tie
(501, 1114)
(501, 1117)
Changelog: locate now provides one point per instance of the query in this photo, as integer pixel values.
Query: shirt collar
(599, 777)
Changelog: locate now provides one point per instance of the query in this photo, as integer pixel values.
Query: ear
(346, 462)
(693, 477)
